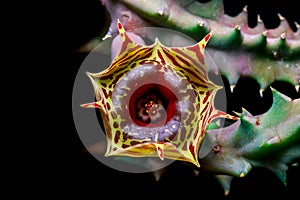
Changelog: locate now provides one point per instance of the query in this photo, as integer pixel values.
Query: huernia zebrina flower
(156, 101)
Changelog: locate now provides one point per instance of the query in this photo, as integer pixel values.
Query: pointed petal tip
(88, 73)
(120, 27)
(91, 75)
(195, 162)
(91, 105)
(119, 22)
(160, 151)
(207, 38)
(86, 105)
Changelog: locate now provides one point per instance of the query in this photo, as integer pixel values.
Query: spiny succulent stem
(229, 34)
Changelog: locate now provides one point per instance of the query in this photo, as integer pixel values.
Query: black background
(68, 172)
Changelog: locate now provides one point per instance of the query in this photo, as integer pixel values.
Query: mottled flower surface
(156, 101)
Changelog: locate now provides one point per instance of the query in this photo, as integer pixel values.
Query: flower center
(152, 105)
(151, 108)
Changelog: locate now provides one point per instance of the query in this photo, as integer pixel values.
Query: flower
(155, 101)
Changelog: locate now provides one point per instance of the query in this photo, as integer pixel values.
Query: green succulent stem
(238, 50)
(228, 35)
(270, 140)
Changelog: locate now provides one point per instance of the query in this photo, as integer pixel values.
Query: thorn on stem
(237, 27)
(283, 36)
(259, 20)
(261, 92)
(281, 17)
(106, 36)
(297, 88)
(161, 12)
(265, 33)
(231, 88)
(200, 23)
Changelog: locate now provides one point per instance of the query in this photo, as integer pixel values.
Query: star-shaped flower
(156, 101)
